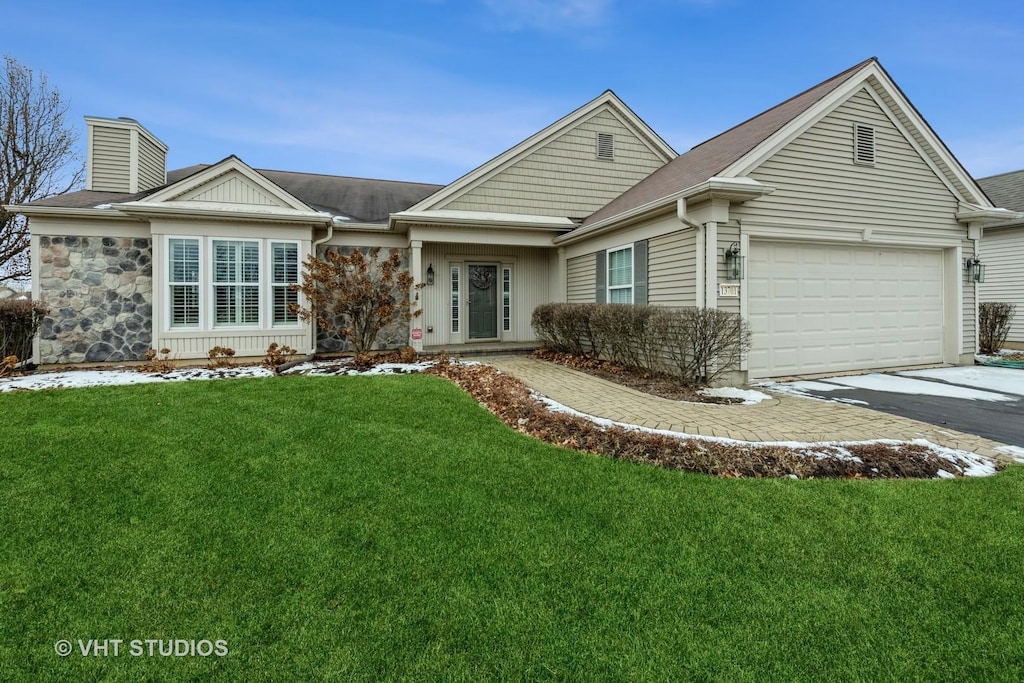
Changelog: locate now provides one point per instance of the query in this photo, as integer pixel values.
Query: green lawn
(389, 527)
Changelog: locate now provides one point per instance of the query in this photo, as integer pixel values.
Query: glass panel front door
(483, 301)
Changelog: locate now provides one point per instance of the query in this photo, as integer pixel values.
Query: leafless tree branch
(37, 156)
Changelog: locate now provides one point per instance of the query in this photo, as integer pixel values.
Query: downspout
(699, 247)
(312, 250)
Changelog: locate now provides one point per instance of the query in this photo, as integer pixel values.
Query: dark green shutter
(640, 272)
(601, 291)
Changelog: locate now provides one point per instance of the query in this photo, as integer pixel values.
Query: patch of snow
(749, 396)
(70, 379)
(1006, 380)
(906, 385)
(1015, 452)
(103, 206)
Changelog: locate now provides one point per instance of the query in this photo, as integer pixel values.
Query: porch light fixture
(734, 262)
(975, 269)
(430, 274)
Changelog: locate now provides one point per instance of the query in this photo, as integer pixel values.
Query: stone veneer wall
(100, 294)
(393, 336)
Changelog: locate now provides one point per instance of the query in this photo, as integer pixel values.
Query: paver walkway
(782, 418)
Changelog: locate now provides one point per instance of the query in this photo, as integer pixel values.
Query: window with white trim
(506, 299)
(284, 267)
(455, 299)
(236, 288)
(620, 275)
(231, 283)
(183, 282)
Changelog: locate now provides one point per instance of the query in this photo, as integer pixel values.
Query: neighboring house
(1002, 250)
(837, 222)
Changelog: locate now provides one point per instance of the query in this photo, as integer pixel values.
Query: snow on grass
(71, 379)
(1006, 380)
(970, 464)
(1015, 452)
(748, 396)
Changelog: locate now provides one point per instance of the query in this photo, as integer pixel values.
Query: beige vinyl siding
(672, 269)
(234, 190)
(244, 345)
(727, 234)
(817, 185)
(581, 279)
(530, 279)
(904, 120)
(565, 177)
(152, 165)
(111, 160)
(1002, 252)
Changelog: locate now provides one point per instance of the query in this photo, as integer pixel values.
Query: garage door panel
(847, 307)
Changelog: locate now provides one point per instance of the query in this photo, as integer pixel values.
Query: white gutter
(699, 248)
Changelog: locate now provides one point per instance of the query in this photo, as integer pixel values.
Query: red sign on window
(417, 333)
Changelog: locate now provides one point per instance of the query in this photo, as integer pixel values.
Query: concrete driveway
(981, 400)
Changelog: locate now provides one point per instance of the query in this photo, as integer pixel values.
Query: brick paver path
(782, 418)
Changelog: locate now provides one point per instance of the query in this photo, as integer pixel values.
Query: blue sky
(426, 90)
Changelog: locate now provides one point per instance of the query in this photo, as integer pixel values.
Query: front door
(483, 301)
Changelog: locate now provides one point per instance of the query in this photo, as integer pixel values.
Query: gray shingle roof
(715, 155)
(1006, 190)
(362, 199)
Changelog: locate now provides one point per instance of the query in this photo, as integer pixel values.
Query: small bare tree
(356, 293)
(37, 156)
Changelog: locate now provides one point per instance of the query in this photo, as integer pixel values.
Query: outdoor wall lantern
(975, 270)
(734, 262)
(430, 274)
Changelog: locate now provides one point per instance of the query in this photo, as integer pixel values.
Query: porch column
(416, 268)
(711, 264)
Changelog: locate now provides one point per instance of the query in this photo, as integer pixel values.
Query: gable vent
(863, 144)
(605, 146)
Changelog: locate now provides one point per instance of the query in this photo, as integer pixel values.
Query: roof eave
(736, 190)
(147, 209)
(69, 212)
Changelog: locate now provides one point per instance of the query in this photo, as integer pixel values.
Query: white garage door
(827, 308)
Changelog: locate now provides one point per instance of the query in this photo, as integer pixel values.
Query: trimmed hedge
(697, 345)
(19, 322)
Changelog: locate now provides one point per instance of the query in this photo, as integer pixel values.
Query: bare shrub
(994, 320)
(703, 343)
(221, 357)
(19, 322)
(159, 362)
(277, 355)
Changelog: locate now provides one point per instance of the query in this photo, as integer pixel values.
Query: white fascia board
(734, 189)
(982, 214)
(541, 138)
(223, 211)
(482, 219)
(232, 163)
(67, 212)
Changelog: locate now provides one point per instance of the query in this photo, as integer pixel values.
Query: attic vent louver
(863, 144)
(605, 146)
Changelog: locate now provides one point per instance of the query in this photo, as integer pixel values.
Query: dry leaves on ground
(512, 402)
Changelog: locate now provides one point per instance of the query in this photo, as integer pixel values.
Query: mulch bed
(513, 403)
(656, 384)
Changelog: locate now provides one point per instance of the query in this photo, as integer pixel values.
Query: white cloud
(549, 15)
